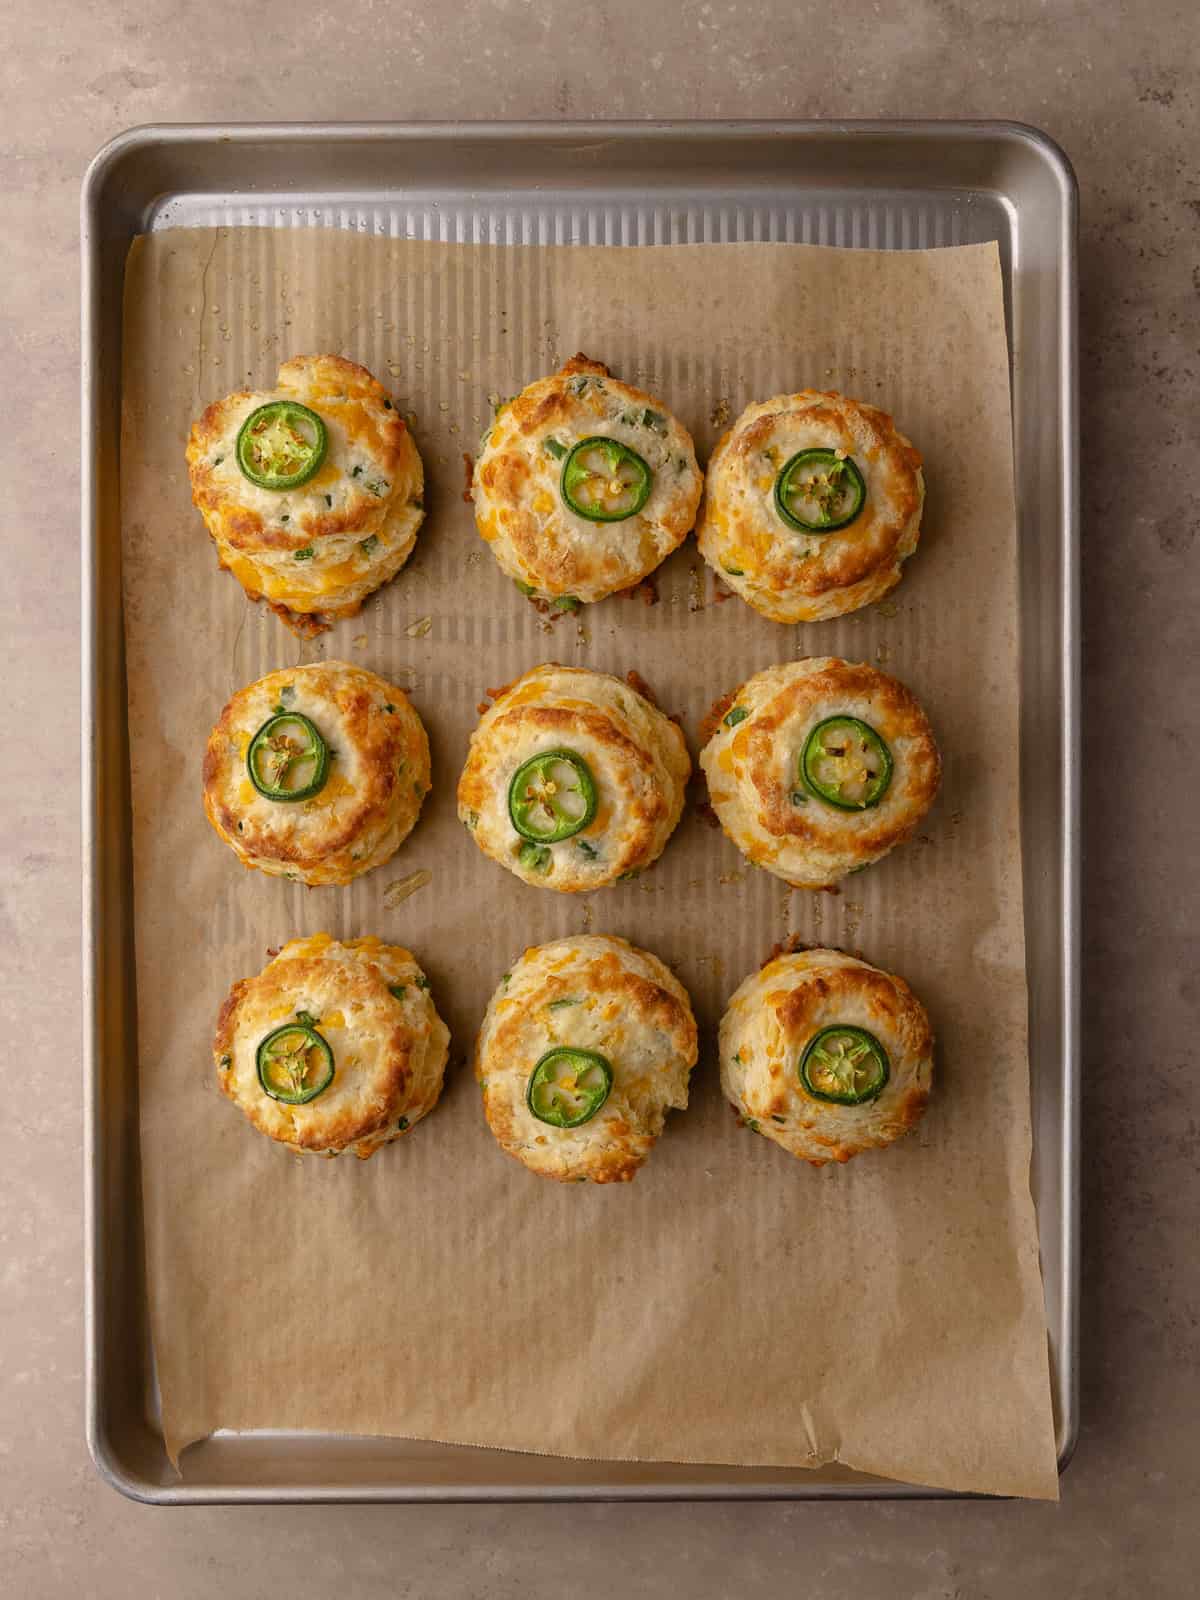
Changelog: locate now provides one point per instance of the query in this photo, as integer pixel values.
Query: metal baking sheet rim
(110, 1110)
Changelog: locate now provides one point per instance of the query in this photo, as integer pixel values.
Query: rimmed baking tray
(894, 185)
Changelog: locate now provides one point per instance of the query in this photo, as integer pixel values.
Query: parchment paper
(731, 1305)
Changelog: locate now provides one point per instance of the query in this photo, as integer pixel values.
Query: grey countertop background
(1115, 83)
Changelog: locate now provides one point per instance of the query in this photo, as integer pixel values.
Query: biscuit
(862, 476)
(333, 1046)
(826, 1055)
(573, 779)
(596, 1036)
(338, 816)
(634, 492)
(819, 767)
(314, 551)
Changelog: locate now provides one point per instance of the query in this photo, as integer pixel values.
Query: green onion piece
(535, 857)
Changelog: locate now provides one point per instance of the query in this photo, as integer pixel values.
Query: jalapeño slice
(604, 480)
(846, 764)
(287, 758)
(844, 1065)
(295, 1064)
(281, 445)
(552, 797)
(568, 1087)
(819, 491)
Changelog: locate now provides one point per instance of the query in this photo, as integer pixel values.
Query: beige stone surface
(1115, 84)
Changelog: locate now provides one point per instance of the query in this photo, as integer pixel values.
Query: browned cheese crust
(637, 757)
(378, 775)
(599, 993)
(370, 1002)
(789, 575)
(314, 552)
(752, 769)
(772, 1018)
(534, 535)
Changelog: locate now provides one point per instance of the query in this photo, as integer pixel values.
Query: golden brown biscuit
(573, 779)
(317, 550)
(586, 1045)
(332, 1046)
(819, 767)
(534, 462)
(852, 468)
(826, 1055)
(340, 814)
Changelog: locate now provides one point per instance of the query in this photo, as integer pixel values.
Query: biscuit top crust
(597, 993)
(752, 763)
(776, 1013)
(365, 432)
(519, 507)
(637, 759)
(750, 534)
(370, 1002)
(379, 764)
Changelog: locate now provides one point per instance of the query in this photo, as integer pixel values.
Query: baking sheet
(730, 1306)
